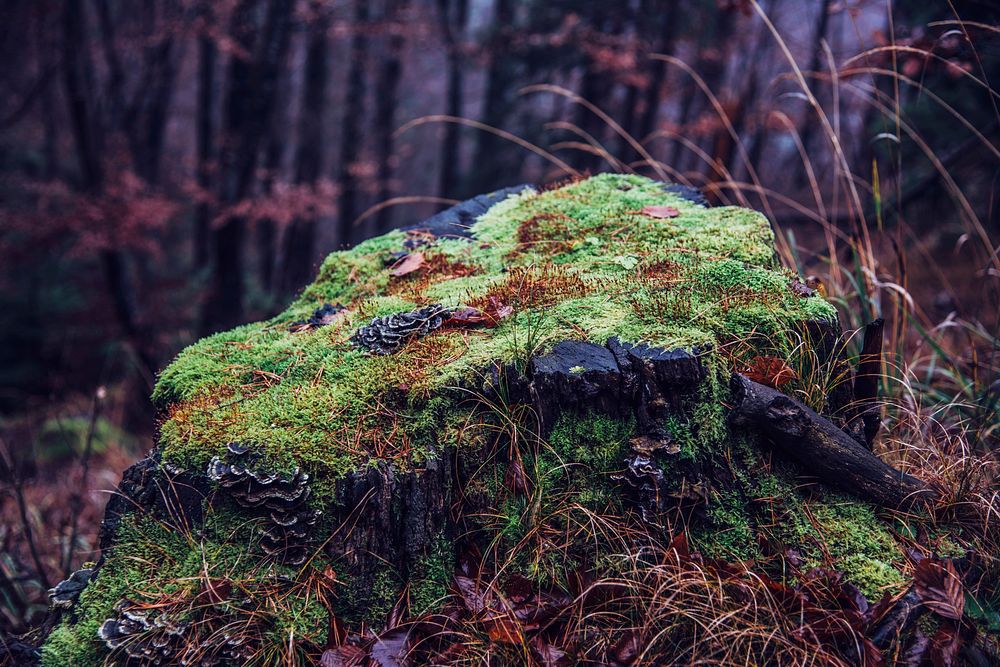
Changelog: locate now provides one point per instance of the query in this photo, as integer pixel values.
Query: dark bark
(252, 83)
(350, 133)
(821, 448)
(386, 101)
(897, 620)
(452, 29)
(300, 237)
(867, 413)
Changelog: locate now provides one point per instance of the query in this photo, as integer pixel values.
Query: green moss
(594, 440)
(431, 576)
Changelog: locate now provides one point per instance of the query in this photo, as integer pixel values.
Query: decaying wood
(821, 448)
(864, 424)
(898, 619)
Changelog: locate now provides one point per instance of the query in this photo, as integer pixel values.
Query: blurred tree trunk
(453, 15)
(809, 122)
(597, 85)
(87, 130)
(251, 88)
(266, 228)
(147, 114)
(203, 141)
(386, 101)
(300, 238)
(351, 139)
(640, 117)
(711, 66)
(490, 153)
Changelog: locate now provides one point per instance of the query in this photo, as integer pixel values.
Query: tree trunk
(78, 79)
(821, 448)
(490, 152)
(808, 120)
(453, 31)
(300, 238)
(386, 101)
(252, 83)
(711, 68)
(203, 147)
(351, 138)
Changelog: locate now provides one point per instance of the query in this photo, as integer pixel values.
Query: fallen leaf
(502, 628)
(799, 288)
(468, 317)
(343, 656)
(549, 655)
(408, 264)
(660, 212)
(626, 650)
(939, 586)
(391, 648)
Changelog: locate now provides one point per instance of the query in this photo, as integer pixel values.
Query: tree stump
(439, 390)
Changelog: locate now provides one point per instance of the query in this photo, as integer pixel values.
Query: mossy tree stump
(565, 354)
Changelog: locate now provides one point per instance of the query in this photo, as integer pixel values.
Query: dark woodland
(174, 168)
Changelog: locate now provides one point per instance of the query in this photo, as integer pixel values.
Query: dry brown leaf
(406, 265)
(660, 212)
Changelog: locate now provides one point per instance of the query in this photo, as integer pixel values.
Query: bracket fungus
(278, 499)
(385, 335)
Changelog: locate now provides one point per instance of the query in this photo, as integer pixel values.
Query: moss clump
(432, 575)
(305, 395)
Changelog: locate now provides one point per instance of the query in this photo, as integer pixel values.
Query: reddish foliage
(939, 586)
(770, 371)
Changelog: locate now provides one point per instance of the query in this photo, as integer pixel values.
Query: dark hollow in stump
(821, 448)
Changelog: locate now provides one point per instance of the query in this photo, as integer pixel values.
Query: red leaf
(468, 317)
(518, 588)
(945, 646)
(660, 212)
(939, 586)
(503, 629)
(408, 264)
(770, 371)
(498, 310)
(680, 545)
